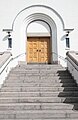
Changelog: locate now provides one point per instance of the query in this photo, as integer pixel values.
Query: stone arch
(40, 6)
(43, 18)
(41, 22)
(36, 13)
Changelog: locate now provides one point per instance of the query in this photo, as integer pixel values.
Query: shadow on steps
(70, 91)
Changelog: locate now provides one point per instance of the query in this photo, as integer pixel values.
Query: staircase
(39, 92)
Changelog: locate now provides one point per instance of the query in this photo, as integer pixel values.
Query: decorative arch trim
(44, 6)
(52, 26)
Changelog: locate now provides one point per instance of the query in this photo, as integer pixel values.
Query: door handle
(39, 50)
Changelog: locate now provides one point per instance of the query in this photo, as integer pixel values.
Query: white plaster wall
(66, 8)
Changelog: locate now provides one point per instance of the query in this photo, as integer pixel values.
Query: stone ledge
(73, 55)
(4, 56)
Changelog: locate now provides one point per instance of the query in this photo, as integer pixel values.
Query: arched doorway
(38, 43)
(24, 18)
(38, 13)
(51, 40)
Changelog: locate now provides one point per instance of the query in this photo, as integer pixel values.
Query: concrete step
(24, 65)
(38, 67)
(53, 69)
(38, 114)
(38, 100)
(40, 70)
(38, 89)
(39, 84)
(37, 106)
(21, 71)
(53, 72)
(49, 71)
(38, 79)
(38, 74)
(44, 119)
(40, 94)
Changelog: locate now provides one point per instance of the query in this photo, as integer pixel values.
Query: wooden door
(38, 50)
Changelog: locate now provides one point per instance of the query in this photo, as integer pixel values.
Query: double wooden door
(38, 50)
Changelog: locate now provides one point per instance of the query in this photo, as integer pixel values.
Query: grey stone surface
(4, 57)
(73, 55)
(39, 92)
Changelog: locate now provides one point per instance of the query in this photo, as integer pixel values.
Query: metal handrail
(6, 66)
(10, 61)
(61, 57)
(19, 56)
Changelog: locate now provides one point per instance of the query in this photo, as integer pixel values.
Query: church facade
(39, 31)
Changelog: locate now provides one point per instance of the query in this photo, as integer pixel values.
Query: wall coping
(73, 55)
(4, 56)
